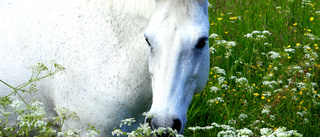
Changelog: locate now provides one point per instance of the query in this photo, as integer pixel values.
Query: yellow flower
(289, 46)
(274, 129)
(256, 94)
(233, 18)
(268, 100)
(315, 45)
(221, 14)
(295, 24)
(263, 97)
(309, 30)
(226, 32)
(298, 44)
(311, 18)
(219, 18)
(289, 57)
(315, 92)
(212, 23)
(300, 93)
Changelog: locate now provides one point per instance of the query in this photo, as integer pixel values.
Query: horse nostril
(177, 125)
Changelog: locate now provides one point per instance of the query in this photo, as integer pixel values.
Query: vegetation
(264, 76)
(264, 70)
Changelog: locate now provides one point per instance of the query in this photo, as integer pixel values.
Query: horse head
(177, 35)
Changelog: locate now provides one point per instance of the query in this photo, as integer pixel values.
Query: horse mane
(145, 8)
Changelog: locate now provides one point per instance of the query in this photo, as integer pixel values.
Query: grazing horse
(121, 57)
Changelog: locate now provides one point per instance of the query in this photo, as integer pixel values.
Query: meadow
(264, 76)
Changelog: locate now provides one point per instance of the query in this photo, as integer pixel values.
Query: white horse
(122, 57)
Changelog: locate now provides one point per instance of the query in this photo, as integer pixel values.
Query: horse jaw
(178, 69)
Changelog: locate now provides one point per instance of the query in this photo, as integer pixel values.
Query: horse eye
(201, 43)
(148, 42)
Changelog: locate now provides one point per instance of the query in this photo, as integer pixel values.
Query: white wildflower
(244, 132)
(228, 133)
(16, 104)
(212, 50)
(242, 80)
(274, 55)
(127, 121)
(117, 132)
(233, 77)
(221, 80)
(213, 35)
(266, 32)
(261, 36)
(302, 113)
(219, 70)
(272, 117)
(266, 109)
(242, 117)
(231, 43)
(214, 89)
(289, 50)
(232, 122)
(265, 131)
(248, 35)
(256, 32)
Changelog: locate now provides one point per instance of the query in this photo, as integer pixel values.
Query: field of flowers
(264, 77)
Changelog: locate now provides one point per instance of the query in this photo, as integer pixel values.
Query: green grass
(295, 75)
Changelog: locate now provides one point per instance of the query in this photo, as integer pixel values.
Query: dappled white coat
(102, 46)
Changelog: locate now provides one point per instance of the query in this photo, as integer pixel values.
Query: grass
(268, 51)
(264, 75)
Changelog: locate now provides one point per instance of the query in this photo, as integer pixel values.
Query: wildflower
(295, 24)
(266, 109)
(311, 18)
(214, 89)
(213, 35)
(128, 121)
(231, 43)
(289, 50)
(244, 132)
(266, 32)
(116, 132)
(242, 80)
(219, 19)
(242, 117)
(265, 131)
(248, 35)
(16, 104)
(212, 50)
(272, 117)
(256, 94)
(232, 122)
(220, 71)
(274, 55)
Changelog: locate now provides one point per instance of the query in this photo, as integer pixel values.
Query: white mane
(143, 8)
